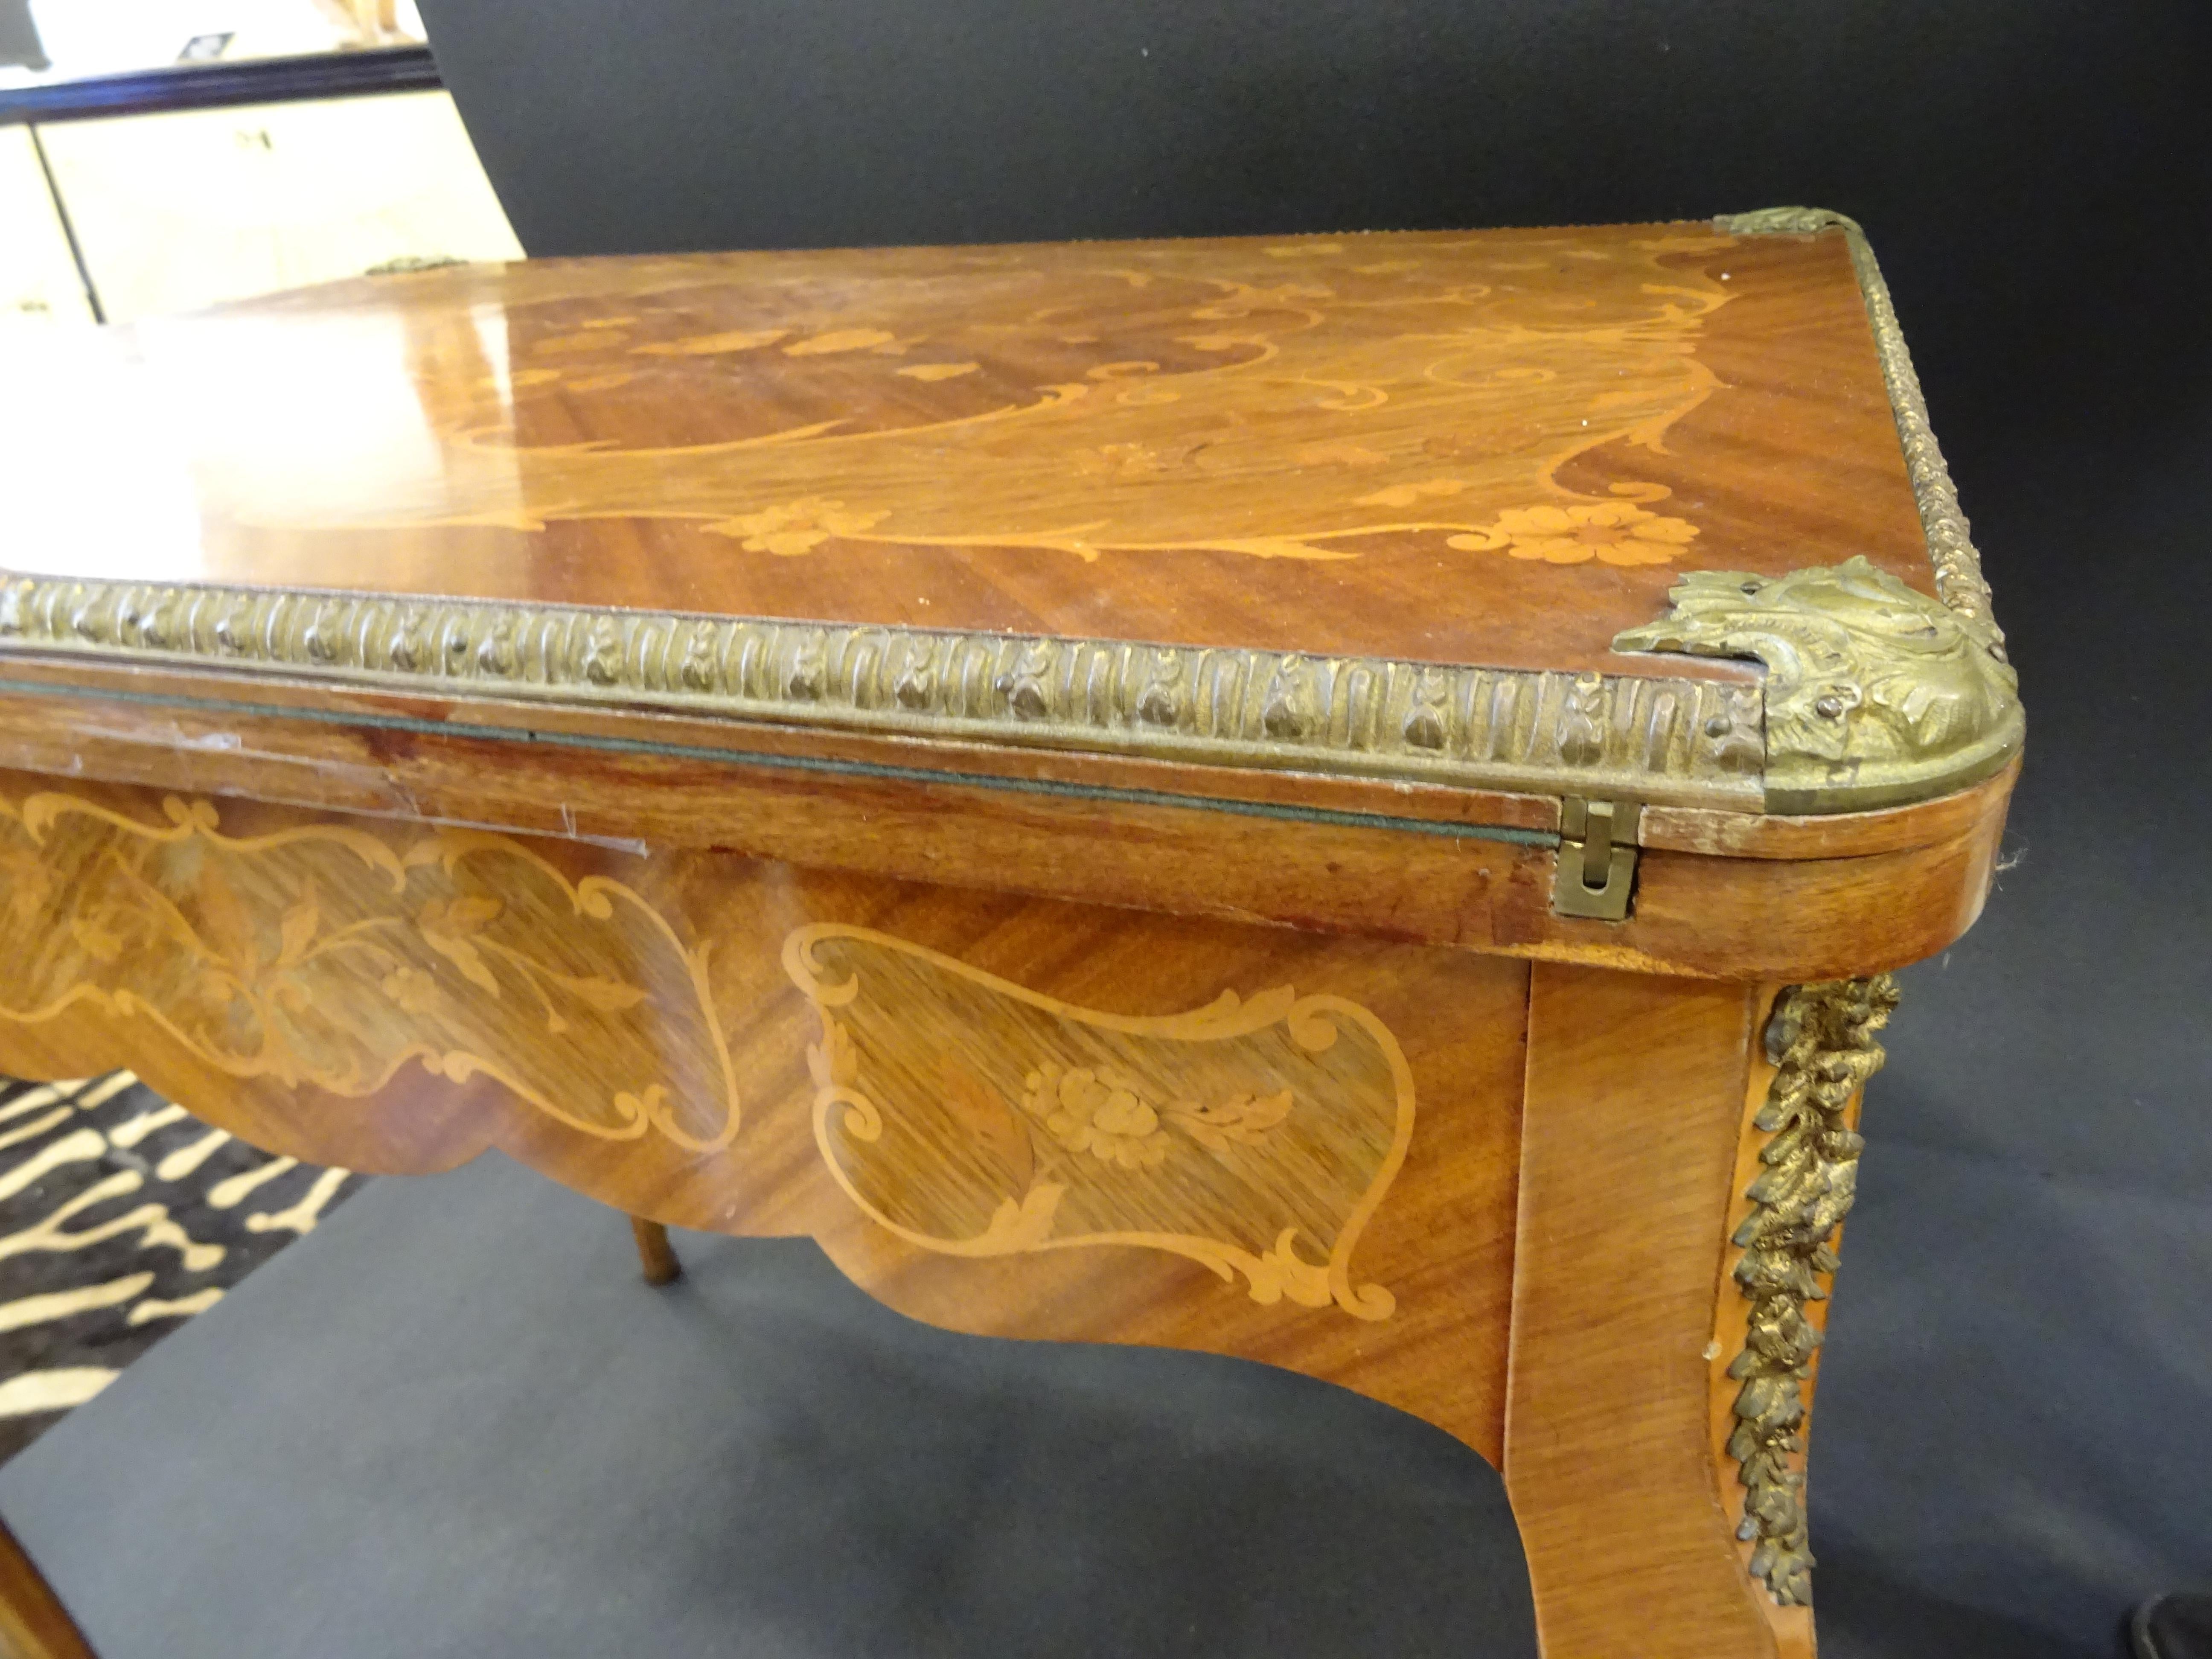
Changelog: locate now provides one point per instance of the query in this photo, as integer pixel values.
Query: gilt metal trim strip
(1821, 1039)
(1682, 741)
(1950, 546)
(1674, 741)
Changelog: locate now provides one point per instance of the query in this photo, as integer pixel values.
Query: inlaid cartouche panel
(973, 1117)
(334, 954)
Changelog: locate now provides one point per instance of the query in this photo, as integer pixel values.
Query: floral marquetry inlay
(1115, 401)
(1611, 532)
(329, 955)
(973, 1117)
(834, 489)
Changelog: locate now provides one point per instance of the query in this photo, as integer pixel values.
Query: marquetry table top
(1495, 448)
(1266, 501)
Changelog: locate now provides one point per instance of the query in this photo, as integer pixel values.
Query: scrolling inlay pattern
(1675, 741)
(1268, 400)
(973, 1117)
(1821, 1038)
(326, 956)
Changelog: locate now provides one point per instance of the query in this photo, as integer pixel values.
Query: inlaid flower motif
(798, 526)
(449, 927)
(414, 991)
(1245, 1120)
(835, 1063)
(1611, 532)
(1096, 1112)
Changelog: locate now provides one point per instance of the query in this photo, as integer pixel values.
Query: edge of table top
(1685, 735)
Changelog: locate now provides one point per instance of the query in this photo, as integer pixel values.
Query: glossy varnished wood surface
(1630, 1137)
(1492, 447)
(1835, 835)
(1044, 1043)
(1496, 1195)
(1117, 835)
(1032, 1118)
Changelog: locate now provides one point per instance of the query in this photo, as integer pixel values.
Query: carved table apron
(1258, 1001)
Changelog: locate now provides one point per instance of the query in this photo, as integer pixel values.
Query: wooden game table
(1344, 801)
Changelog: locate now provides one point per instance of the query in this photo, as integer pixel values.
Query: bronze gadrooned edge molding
(1820, 1040)
(1950, 546)
(1875, 694)
(1665, 740)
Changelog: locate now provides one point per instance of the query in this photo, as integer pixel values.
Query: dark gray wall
(2013, 1432)
(2034, 171)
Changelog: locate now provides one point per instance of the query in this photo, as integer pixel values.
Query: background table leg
(654, 1254)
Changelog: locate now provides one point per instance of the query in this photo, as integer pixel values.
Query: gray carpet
(452, 1422)
(2012, 1443)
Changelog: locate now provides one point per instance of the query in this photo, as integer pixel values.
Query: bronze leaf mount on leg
(1821, 1039)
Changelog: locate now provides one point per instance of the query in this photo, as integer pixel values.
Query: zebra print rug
(120, 1216)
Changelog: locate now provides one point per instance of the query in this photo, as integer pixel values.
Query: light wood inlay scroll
(973, 1117)
(1425, 1218)
(329, 955)
(1284, 400)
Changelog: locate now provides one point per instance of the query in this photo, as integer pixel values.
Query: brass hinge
(1597, 858)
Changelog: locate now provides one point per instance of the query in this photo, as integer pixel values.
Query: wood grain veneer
(1247, 442)
(1635, 1098)
(1158, 944)
(723, 1135)
(1119, 840)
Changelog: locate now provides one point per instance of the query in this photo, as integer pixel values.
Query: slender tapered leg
(654, 1254)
